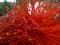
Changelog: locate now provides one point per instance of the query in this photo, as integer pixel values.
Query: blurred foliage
(3, 7)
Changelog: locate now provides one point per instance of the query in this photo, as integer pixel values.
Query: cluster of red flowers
(40, 26)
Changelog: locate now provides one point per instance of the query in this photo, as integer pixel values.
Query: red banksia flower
(33, 22)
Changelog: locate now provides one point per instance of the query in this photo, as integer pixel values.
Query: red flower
(31, 25)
